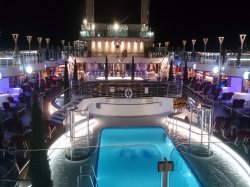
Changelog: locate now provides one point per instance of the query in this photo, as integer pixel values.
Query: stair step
(58, 117)
(56, 121)
(60, 114)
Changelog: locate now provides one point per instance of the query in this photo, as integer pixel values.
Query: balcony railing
(137, 89)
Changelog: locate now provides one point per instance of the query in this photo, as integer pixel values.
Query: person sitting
(18, 124)
(12, 102)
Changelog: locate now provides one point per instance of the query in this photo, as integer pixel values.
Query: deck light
(116, 26)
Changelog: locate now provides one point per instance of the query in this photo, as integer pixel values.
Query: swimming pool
(128, 157)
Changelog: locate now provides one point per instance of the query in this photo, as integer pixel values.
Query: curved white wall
(127, 107)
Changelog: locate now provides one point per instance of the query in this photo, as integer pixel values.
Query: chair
(241, 137)
(223, 97)
(229, 95)
(241, 103)
(19, 145)
(11, 99)
(219, 120)
(7, 109)
(246, 144)
(225, 127)
(235, 103)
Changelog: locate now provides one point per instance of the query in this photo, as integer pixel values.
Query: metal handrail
(155, 88)
(202, 99)
(92, 169)
(88, 176)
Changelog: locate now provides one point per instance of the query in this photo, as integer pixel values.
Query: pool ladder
(87, 172)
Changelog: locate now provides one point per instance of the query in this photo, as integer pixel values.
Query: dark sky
(172, 20)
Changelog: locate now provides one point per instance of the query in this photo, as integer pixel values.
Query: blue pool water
(128, 157)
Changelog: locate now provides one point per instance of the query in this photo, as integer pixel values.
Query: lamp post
(242, 39)
(62, 42)
(47, 41)
(39, 39)
(15, 37)
(29, 38)
(221, 38)
(166, 48)
(193, 43)
(166, 45)
(205, 40)
(184, 44)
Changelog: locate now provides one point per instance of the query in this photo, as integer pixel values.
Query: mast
(90, 11)
(145, 5)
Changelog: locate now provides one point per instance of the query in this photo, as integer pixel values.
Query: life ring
(128, 93)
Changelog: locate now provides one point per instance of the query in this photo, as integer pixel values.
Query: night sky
(172, 21)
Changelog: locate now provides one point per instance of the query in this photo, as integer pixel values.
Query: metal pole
(190, 123)
(209, 129)
(202, 124)
(39, 81)
(88, 127)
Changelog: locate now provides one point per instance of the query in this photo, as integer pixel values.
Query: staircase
(59, 115)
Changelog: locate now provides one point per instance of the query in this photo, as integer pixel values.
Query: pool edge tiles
(130, 156)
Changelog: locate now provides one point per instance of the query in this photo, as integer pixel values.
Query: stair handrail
(92, 169)
(88, 176)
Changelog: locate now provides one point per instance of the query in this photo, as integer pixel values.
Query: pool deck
(205, 167)
(228, 176)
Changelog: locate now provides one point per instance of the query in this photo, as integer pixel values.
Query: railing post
(190, 123)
